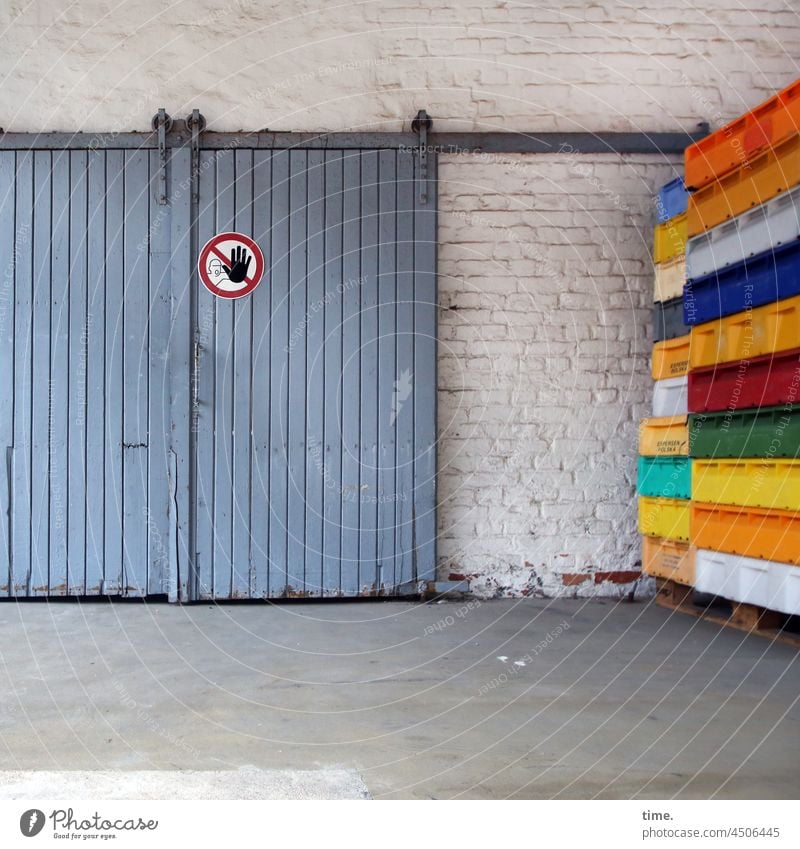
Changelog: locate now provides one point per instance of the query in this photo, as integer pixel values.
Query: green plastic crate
(665, 477)
(772, 432)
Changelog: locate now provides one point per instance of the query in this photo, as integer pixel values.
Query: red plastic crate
(760, 382)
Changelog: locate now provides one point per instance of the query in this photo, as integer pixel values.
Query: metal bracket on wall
(420, 125)
(162, 124)
(196, 123)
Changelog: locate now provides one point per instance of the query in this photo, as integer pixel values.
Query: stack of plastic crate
(664, 472)
(742, 300)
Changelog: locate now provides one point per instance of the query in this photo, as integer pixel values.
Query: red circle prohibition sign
(230, 265)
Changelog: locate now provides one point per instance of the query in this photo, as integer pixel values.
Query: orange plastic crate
(752, 531)
(667, 436)
(739, 141)
(671, 358)
(771, 172)
(668, 558)
(765, 330)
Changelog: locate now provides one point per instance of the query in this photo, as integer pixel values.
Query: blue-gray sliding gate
(160, 440)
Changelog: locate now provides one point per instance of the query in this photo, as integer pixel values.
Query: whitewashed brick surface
(546, 289)
(330, 65)
(546, 279)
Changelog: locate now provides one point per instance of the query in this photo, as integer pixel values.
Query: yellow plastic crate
(669, 240)
(756, 181)
(747, 483)
(667, 436)
(744, 335)
(664, 517)
(671, 358)
(670, 278)
(668, 558)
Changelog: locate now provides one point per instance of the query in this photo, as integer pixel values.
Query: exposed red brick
(456, 576)
(617, 577)
(571, 579)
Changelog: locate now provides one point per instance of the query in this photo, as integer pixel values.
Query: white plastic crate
(754, 581)
(753, 232)
(671, 396)
(670, 277)
(717, 573)
(784, 588)
(765, 583)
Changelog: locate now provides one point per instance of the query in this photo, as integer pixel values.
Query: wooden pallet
(744, 617)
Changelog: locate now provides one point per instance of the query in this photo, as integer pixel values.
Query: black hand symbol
(240, 261)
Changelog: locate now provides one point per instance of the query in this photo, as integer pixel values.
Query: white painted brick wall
(545, 270)
(546, 288)
(328, 65)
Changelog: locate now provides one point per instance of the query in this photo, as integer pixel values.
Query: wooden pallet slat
(743, 617)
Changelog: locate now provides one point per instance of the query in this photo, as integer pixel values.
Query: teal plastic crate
(665, 477)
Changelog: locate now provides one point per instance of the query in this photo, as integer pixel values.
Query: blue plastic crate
(673, 200)
(762, 279)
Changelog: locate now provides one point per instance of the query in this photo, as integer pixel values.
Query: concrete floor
(420, 700)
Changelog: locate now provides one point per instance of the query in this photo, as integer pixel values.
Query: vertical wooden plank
(63, 376)
(391, 391)
(75, 316)
(135, 438)
(260, 405)
(7, 361)
(94, 398)
(223, 406)
(242, 377)
(315, 370)
(181, 557)
(23, 371)
(332, 432)
(40, 440)
(404, 424)
(368, 548)
(351, 372)
(279, 360)
(114, 349)
(205, 443)
(424, 379)
(158, 489)
(298, 340)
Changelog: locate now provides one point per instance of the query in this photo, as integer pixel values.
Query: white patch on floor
(244, 783)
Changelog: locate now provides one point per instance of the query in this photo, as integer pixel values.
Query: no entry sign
(231, 265)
